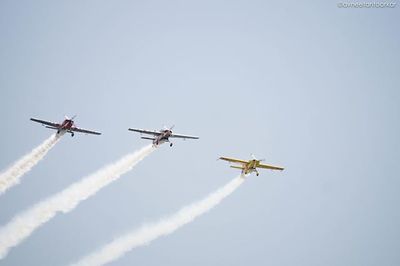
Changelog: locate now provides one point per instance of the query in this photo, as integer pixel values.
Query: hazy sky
(309, 86)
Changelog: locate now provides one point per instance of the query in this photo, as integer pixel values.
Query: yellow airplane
(250, 166)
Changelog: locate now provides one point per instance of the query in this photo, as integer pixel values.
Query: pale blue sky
(308, 86)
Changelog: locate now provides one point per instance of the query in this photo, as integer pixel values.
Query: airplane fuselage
(251, 167)
(65, 126)
(162, 138)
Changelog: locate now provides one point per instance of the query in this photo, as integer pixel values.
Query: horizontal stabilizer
(51, 127)
(147, 138)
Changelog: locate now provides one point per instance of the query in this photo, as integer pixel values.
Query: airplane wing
(232, 160)
(56, 125)
(183, 136)
(266, 166)
(143, 131)
(75, 129)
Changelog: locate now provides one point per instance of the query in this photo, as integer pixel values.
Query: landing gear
(257, 174)
(72, 134)
(170, 144)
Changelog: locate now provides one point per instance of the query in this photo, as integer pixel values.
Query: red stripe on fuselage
(67, 124)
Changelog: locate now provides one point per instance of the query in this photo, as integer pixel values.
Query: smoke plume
(24, 224)
(150, 232)
(12, 176)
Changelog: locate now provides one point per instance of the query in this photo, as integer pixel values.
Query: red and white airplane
(161, 136)
(67, 126)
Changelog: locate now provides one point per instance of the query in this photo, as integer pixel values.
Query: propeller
(254, 157)
(67, 118)
(170, 129)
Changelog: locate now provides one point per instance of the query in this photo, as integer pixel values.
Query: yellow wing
(232, 160)
(266, 166)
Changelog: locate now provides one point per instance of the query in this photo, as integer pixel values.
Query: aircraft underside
(157, 142)
(63, 131)
(249, 171)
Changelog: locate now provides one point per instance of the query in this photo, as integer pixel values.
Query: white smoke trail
(23, 225)
(12, 175)
(148, 233)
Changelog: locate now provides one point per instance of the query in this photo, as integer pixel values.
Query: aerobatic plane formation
(17, 230)
(159, 137)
